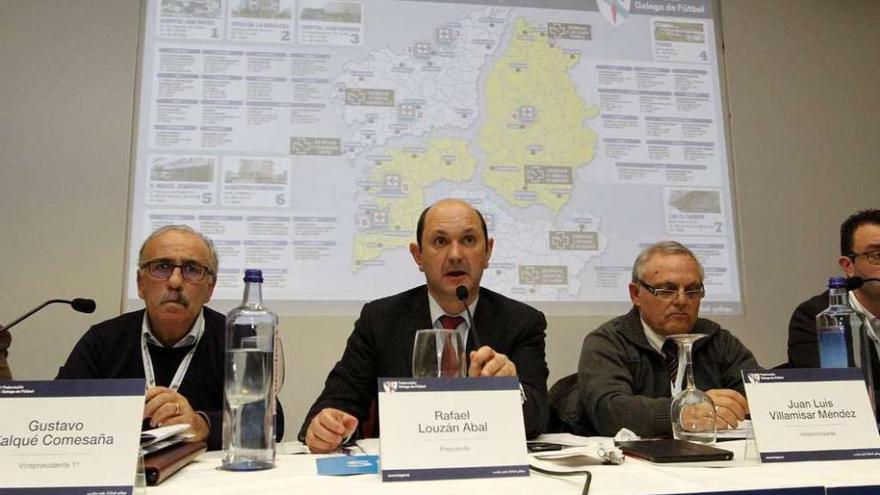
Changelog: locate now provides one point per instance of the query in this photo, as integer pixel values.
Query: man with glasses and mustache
(176, 342)
(859, 257)
(627, 366)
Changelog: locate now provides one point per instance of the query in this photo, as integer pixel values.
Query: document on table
(742, 431)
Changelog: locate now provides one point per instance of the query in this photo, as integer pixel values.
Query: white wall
(804, 105)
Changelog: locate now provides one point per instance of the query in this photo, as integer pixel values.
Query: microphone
(853, 283)
(83, 305)
(78, 304)
(461, 292)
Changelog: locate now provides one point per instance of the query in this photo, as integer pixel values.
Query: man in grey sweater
(623, 374)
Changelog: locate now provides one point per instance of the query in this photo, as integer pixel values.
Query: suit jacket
(803, 345)
(382, 345)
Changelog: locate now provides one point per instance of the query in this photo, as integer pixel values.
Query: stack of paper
(161, 438)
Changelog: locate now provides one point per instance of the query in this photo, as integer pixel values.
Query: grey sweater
(623, 381)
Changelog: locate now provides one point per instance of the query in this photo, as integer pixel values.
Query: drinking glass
(248, 375)
(692, 410)
(428, 354)
(140, 475)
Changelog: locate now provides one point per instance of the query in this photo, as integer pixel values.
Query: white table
(298, 474)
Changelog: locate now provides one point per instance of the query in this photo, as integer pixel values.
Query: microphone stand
(80, 305)
(461, 292)
(22, 317)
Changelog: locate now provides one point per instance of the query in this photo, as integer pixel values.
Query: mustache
(174, 297)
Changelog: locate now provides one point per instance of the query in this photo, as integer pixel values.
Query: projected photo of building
(182, 169)
(333, 12)
(260, 9)
(682, 32)
(209, 9)
(256, 171)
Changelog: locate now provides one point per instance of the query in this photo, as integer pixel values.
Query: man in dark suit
(452, 248)
(859, 257)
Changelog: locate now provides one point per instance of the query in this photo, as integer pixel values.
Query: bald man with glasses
(627, 366)
(176, 343)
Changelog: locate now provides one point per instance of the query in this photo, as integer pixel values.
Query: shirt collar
(187, 340)
(655, 339)
(437, 311)
(857, 305)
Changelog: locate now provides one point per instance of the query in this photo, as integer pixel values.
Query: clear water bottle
(833, 325)
(249, 398)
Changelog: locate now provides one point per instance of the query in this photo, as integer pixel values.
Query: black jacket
(111, 349)
(803, 346)
(381, 345)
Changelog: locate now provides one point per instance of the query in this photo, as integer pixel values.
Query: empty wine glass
(692, 410)
(438, 353)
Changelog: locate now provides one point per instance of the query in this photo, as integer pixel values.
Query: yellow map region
(534, 136)
(398, 186)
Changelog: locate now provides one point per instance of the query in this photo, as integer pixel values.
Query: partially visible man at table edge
(5, 340)
(859, 257)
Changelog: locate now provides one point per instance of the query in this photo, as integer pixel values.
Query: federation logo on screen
(614, 11)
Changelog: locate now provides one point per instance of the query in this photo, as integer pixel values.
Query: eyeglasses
(873, 257)
(191, 272)
(670, 294)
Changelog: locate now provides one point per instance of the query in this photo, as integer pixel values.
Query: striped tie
(670, 355)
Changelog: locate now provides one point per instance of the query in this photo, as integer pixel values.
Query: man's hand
(730, 407)
(328, 429)
(166, 407)
(486, 362)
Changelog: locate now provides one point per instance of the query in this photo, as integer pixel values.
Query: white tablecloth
(298, 474)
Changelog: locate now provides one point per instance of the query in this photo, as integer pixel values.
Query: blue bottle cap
(836, 282)
(253, 275)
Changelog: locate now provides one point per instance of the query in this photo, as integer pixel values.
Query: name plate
(447, 428)
(811, 414)
(70, 436)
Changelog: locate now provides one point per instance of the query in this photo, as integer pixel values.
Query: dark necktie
(670, 355)
(449, 363)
